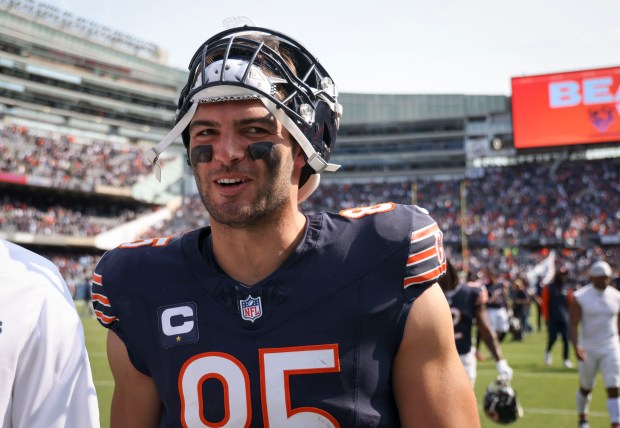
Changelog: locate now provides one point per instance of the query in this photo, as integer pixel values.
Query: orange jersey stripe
(104, 318)
(97, 278)
(421, 256)
(424, 232)
(96, 297)
(426, 276)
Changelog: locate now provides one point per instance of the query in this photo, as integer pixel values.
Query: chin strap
(153, 153)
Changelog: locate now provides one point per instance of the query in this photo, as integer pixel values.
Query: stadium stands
(69, 162)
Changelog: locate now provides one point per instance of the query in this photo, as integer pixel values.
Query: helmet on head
(500, 402)
(257, 63)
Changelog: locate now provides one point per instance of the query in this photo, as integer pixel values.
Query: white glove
(504, 369)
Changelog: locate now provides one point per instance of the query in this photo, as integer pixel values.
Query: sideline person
(45, 376)
(555, 301)
(596, 306)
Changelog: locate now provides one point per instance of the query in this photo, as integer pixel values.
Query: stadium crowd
(510, 210)
(59, 215)
(510, 205)
(191, 215)
(78, 271)
(69, 162)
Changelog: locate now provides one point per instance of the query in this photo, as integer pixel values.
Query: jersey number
(276, 367)
(156, 242)
(360, 212)
(456, 319)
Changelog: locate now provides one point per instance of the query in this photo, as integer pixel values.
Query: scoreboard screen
(577, 107)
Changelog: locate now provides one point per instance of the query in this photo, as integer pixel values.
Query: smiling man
(269, 317)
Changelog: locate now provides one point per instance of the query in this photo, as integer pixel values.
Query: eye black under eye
(260, 150)
(201, 154)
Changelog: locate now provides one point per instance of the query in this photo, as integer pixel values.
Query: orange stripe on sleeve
(104, 318)
(425, 232)
(96, 297)
(422, 255)
(97, 279)
(426, 276)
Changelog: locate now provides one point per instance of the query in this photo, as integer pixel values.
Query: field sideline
(547, 394)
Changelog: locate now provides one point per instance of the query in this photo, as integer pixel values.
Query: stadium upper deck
(64, 73)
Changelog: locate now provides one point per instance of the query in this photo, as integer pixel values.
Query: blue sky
(388, 46)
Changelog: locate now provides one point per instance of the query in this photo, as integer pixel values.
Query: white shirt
(599, 315)
(45, 376)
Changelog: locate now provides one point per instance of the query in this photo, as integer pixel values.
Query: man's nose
(229, 149)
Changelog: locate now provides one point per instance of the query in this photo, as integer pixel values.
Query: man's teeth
(230, 181)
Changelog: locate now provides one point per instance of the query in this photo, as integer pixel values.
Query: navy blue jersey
(497, 295)
(464, 300)
(310, 345)
(557, 301)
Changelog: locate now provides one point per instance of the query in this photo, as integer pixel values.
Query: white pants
(498, 319)
(470, 364)
(605, 358)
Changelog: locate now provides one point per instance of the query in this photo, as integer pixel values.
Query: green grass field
(547, 393)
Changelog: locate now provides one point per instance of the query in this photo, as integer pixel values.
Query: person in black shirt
(554, 304)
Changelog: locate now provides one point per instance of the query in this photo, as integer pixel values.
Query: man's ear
(299, 157)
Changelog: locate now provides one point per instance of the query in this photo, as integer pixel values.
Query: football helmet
(515, 327)
(500, 402)
(257, 63)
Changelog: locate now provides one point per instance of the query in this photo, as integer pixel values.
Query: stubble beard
(268, 204)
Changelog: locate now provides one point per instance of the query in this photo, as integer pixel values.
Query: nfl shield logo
(251, 308)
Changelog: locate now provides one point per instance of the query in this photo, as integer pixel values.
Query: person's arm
(490, 339)
(574, 312)
(428, 376)
(135, 403)
(486, 332)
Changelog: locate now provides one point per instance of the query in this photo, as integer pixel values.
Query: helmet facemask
(256, 63)
(500, 402)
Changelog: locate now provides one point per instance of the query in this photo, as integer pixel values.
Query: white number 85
(276, 366)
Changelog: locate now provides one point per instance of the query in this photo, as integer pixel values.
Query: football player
(596, 307)
(468, 305)
(270, 317)
(45, 376)
(497, 306)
